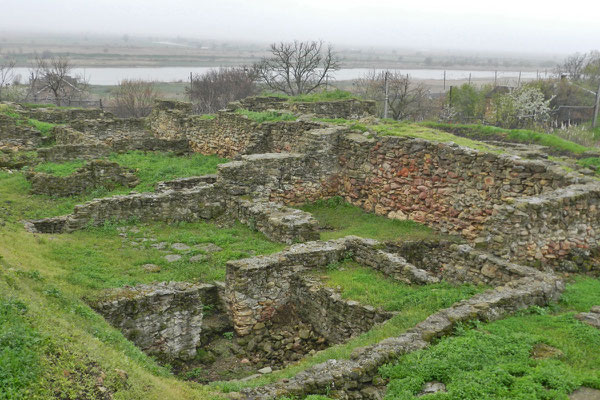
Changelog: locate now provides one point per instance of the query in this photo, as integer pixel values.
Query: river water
(112, 76)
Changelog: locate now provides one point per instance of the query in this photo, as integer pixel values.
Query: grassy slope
(480, 132)
(494, 360)
(49, 334)
(342, 219)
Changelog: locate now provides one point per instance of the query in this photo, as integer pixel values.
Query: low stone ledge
(185, 183)
(201, 203)
(97, 173)
(277, 222)
(70, 152)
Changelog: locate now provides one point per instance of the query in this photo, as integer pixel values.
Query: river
(112, 76)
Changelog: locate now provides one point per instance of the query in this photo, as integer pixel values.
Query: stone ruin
(523, 221)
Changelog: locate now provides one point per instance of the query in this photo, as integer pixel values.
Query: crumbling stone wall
(164, 319)
(98, 173)
(18, 137)
(560, 227)
(334, 318)
(456, 263)
(353, 378)
(57, 115)
(257, 287)
(275, 221)
(189, 199)
(226, 135)
(60, 153)
(347, 109)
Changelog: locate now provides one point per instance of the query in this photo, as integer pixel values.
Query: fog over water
(551, 27)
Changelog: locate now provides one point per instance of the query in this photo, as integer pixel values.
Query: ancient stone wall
(353, 378)
(452, 188)
(189, 199)
(15, 136)
(334, 318)
(98, 173)
(559, 228)
(68, 152)
(459, 263)
(57, 115)
(227, 135)
(277, 222)
(199, 203)
(347, 109)
(164, 319)
(258, 286)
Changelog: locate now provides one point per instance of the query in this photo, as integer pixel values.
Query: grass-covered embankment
(540, 353)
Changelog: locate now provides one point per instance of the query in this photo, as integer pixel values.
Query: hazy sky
(500, 25)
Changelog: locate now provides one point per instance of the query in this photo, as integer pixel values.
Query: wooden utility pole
(385, 105)
(191, 86)
(519, 82)
(495, 77)
(469, 78)
(596, 106)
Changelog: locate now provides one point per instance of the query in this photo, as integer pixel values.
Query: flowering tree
(521, 108)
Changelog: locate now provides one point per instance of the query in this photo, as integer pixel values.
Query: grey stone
(208, 247)
(151, 268)
(198, 258)
(172, 257)
(266, 370)
(180, 246)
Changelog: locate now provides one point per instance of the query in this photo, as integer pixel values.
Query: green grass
(483, 132)
(323, 95)
(156, 167)
(413, 304)
(340, 219)
(330, 95)
(590, 161)
(152, 167)
(59, 169)
(370, 287)
(392, 128)
(493, 360)
(267, 116)
(43, 127)
(19, 350)
(98, 258)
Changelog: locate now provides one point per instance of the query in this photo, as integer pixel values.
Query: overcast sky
(500, 25)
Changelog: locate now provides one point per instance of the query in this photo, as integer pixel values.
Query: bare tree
(406, 99)
(297, 67)
(7, 75)
(53, 75)
(214, 89)
(133, 98)
(573, 66)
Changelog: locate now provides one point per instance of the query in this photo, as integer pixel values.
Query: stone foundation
(94, 174)
(169, 320)
(347, 109)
